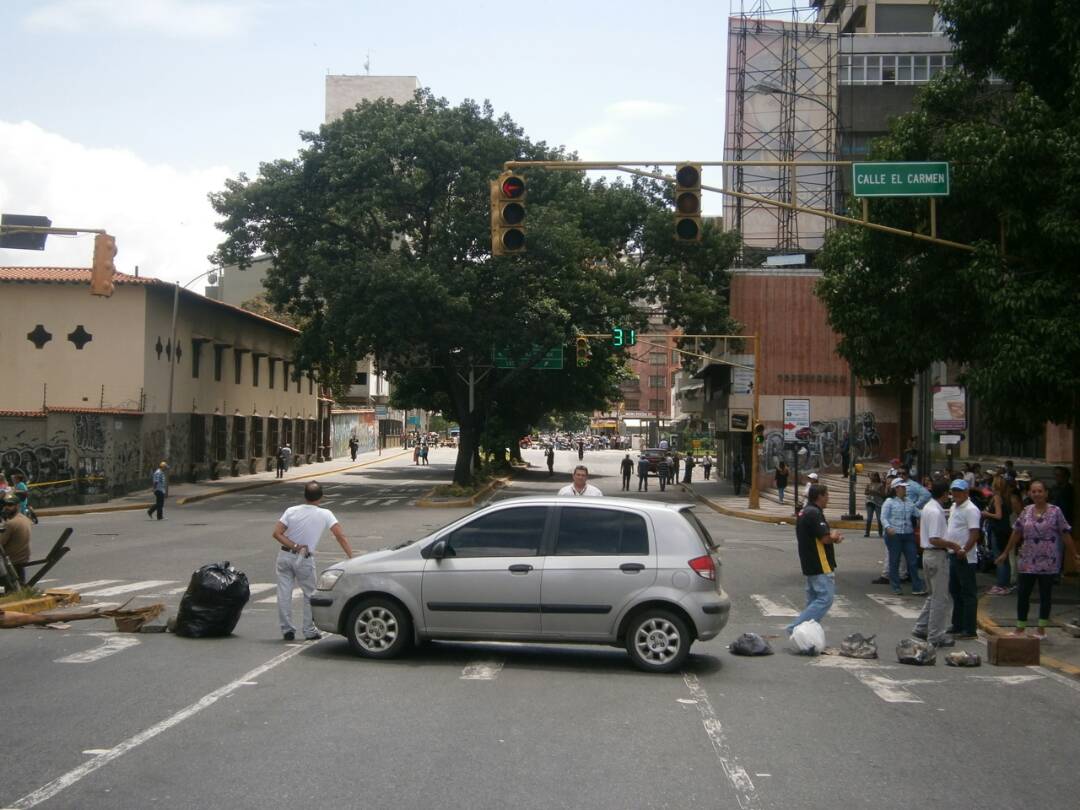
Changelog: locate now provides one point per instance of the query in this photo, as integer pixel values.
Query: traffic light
(508, 214)
(759, 433)
(623, 337)
(582, 352)
(103, 270)
(688, 202)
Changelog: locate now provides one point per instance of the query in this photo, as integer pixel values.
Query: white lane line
(47, 791)
(96, 751)
(1065, 680)
(1007, 680)
(259, 587)
(886, 688)
(175, 591)
(770, 608)
(391, 500)
(97, 583)
(271, 599)
(482, 671)
(130, 586)
(372, 501)
(112, 644)
(349, 502)
(745, 792)
(842, 608)
(902, 607)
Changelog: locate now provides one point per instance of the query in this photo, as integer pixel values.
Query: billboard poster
(950, 409)
(796, 418)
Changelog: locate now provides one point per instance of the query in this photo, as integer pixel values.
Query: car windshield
(699, 529)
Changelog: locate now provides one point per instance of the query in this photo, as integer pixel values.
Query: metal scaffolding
(781, 106)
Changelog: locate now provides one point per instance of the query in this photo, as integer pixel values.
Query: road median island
(762, 516)
(433, 500)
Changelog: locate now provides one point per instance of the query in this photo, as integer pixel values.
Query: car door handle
(632, 568)
(520, 568)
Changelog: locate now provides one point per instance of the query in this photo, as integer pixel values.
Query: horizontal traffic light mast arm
(624, 166)
(55, 231)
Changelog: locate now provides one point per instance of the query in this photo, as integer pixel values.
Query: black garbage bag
(963, 658)
(913, 651)
(212, 603)
(859, 646)
(750, 644)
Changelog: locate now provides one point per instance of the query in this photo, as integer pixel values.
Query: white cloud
(159, 215)
(176, 18)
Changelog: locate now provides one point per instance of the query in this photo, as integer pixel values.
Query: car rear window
(699, 529)
(584, 532)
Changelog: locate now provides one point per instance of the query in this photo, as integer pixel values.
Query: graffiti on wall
(823, 441)
(41, 462)
(359, 424)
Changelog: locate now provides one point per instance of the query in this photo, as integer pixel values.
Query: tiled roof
(66, 275)
(81, 275)
(50, 409)
(22, 413)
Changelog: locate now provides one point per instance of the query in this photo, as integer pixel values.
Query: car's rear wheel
(658, 640)
(378, 628)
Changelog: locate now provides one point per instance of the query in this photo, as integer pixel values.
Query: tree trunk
(466, 449)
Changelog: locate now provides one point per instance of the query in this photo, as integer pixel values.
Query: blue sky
(124, 114)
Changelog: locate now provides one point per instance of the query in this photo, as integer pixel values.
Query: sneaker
(965, 637)
(945, 642)
(315, 637)
(289, 635)
(997, 590)
(919, 634)
(880, 581)
(923, 592)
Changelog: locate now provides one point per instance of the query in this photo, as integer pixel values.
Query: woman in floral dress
(1037, 532)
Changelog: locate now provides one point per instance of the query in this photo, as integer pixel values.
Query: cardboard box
(1014, 651)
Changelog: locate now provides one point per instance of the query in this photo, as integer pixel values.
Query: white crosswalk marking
(391, 500)
(482, 671)
(97, 583)
(842, 608)
(372, 501)
(349, 502)
(770, 608)
(272, 599)
(130, 586)
(904, 608)
(259, 587)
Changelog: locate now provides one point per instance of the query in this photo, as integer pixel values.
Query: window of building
(219, 352)
(196, 353)
(632, 404)
(298, 435)
(219, 439)
(238, 366)
(198, 438)
(675, 356)
(361, 378)
(258, 448)
(310, 384)
(286, 430)
(297, 375)
(657, 358)
(656, 381)
(255, 370)
(585, 532)
(656, 405)
(313, 436)
(285, 375)
(272, 367)
(507, 533)
(674, 378)
(891, 68)
(273, 437)
(239, 437)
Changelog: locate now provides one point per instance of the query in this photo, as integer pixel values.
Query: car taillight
(704, 567)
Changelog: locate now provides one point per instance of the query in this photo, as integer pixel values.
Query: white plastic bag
(808, 638)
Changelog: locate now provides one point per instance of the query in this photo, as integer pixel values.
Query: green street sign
(900, 179)
(551, 361)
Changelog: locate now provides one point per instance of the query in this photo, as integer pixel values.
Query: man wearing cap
(916, 492)
(161, 487)
(15, 537)
(901, 521)
(933, 531)
(964, 531)
(811, 480)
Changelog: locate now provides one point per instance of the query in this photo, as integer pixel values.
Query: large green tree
(1008, 121)
(379, 232)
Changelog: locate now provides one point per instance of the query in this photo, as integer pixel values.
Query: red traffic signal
(688, 202)
(508, 194)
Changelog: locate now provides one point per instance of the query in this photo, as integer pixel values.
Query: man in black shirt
(817, 556)
(627, 469)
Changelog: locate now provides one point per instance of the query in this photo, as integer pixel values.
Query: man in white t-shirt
(581, 485)
(298, 531)
(937, 549)
(964, 530)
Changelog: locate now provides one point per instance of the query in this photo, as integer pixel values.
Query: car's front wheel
(658, 640)
(378, 628)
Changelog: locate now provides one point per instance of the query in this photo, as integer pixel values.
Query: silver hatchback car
(639, 574)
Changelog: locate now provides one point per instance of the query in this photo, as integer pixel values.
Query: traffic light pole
(755, 474)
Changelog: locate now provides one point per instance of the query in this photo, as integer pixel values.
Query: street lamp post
(172, 360)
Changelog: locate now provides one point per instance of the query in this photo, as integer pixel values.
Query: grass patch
(21, 594)
(459, 491)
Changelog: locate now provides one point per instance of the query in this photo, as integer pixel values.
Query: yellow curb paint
(51, 599)
(424, 503)
(988, 625)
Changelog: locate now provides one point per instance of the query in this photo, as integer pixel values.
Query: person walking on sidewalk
(299, 530)
(550, 455)
(280, 459)
(160, 482)
(627, 469)
(901, 520)
(738, 474)
(707, 464)
(817, 556)
(1040, 529)
(354, 445)
(964, 530)
(642, 473)
(875, 497)
(781, 479)
(663, 471)
(933, 531)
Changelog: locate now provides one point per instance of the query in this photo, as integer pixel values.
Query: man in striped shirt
(900, 517)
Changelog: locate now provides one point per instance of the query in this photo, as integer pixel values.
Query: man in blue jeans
(901, 520)
(817, 556)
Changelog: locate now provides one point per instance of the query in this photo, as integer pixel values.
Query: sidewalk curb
(747, 514)
(202, 496)
(989, 626)
(51, 599)
(495, 483)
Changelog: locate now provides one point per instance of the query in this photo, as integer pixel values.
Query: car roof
(595, 503)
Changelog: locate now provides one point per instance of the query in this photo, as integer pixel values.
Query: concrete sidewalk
(1061, 650)
(183, 493)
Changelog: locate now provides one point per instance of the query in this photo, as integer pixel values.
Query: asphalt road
(251, 721)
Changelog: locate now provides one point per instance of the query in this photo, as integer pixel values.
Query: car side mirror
(438, 551)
